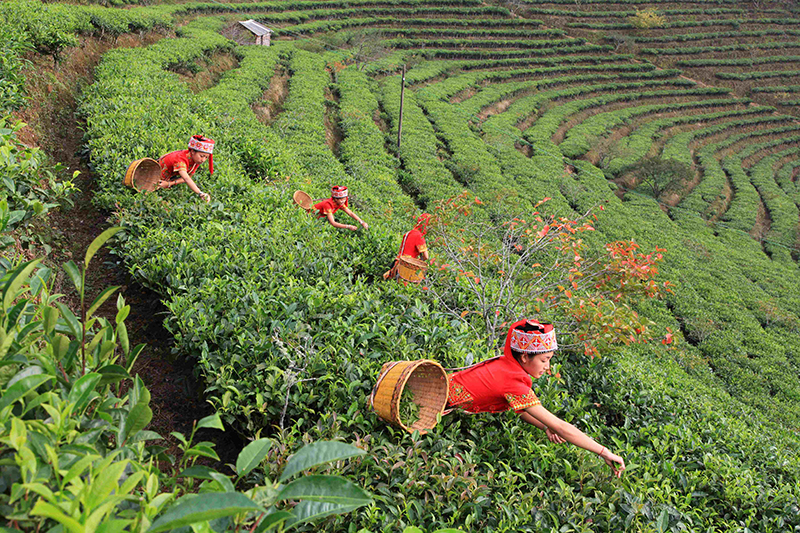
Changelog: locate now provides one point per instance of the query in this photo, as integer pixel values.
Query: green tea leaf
(21, 388)
(74, 274)
(192, 509)
(224, 481)
(112, 374)
(663, 522)
(331, 489)
(211, 421)
(137, 419)
(318, 453)
(272, 520)
(99, 241)
(18, 277)
(81, 392)
(198, 471)
(308, 511)
(101, 298)
(252, 455)
(51, 511)
(72, 321)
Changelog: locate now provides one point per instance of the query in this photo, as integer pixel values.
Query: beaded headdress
(203, 144)
(543, 339)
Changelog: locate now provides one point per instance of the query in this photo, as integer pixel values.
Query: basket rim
(398, 387)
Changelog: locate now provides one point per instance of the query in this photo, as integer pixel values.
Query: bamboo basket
(411, 269)
(143, 175)
(303, 200)
(426, 379)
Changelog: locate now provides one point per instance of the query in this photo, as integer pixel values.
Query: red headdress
(422, 223)
(340, 191)
(206, 145)
(541, 340)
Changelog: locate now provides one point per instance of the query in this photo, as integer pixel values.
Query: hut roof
(255, 27)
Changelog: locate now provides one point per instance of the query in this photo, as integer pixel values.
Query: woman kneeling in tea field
(504, 383)
(338, 200)
(179, 166)
(413, 244)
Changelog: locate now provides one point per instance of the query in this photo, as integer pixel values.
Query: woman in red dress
(179, 166)
(338, 200)
(413, 244)
(504, 383)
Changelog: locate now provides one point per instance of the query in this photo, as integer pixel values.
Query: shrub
(647, 19)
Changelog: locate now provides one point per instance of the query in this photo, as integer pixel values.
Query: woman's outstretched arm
(571, 434)
(552, 435)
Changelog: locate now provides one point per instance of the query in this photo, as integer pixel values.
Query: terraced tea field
(675, 123)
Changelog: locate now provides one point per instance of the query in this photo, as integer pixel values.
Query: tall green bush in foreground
(74, 447)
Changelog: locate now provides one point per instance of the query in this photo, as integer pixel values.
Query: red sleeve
(519, 395)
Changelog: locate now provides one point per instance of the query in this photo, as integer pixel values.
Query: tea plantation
(673, 123)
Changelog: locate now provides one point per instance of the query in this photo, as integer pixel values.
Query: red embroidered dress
(493, 386)
(326, 206)
(413, 244)
(174, 162)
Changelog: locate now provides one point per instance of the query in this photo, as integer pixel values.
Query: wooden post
(402, 94)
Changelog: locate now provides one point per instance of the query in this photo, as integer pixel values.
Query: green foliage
(30, 187)
(408, 410)
(75, 448)
(658, 176)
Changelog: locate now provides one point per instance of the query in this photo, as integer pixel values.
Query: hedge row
(758, 75)
(469, 159)
(678, 146)
(390, 22)
(580, 139)
(495, 92)
(637, 144)
(428, 69)
(500, 76)
(710, 190)
(686, 37)
(668, 25)
(546, 126)
(50, 28)
(777, 89)
(362, 149)
(630, 13)
(737, 62)
(261, 11)
(633, 2)
(785, 176)
(425, 177)
(783, 231)
(690, 50)
(477, 44)
(564, 46)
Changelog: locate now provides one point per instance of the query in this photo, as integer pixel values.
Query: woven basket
(143, 174)
(411, 269)
(426, 379)
(303, 200)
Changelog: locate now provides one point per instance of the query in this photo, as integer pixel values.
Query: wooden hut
(262, 33)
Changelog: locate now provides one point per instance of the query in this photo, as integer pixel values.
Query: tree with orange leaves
(490, 273)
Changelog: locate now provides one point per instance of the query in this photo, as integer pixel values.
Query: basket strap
(377, 383)
(470, 366)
